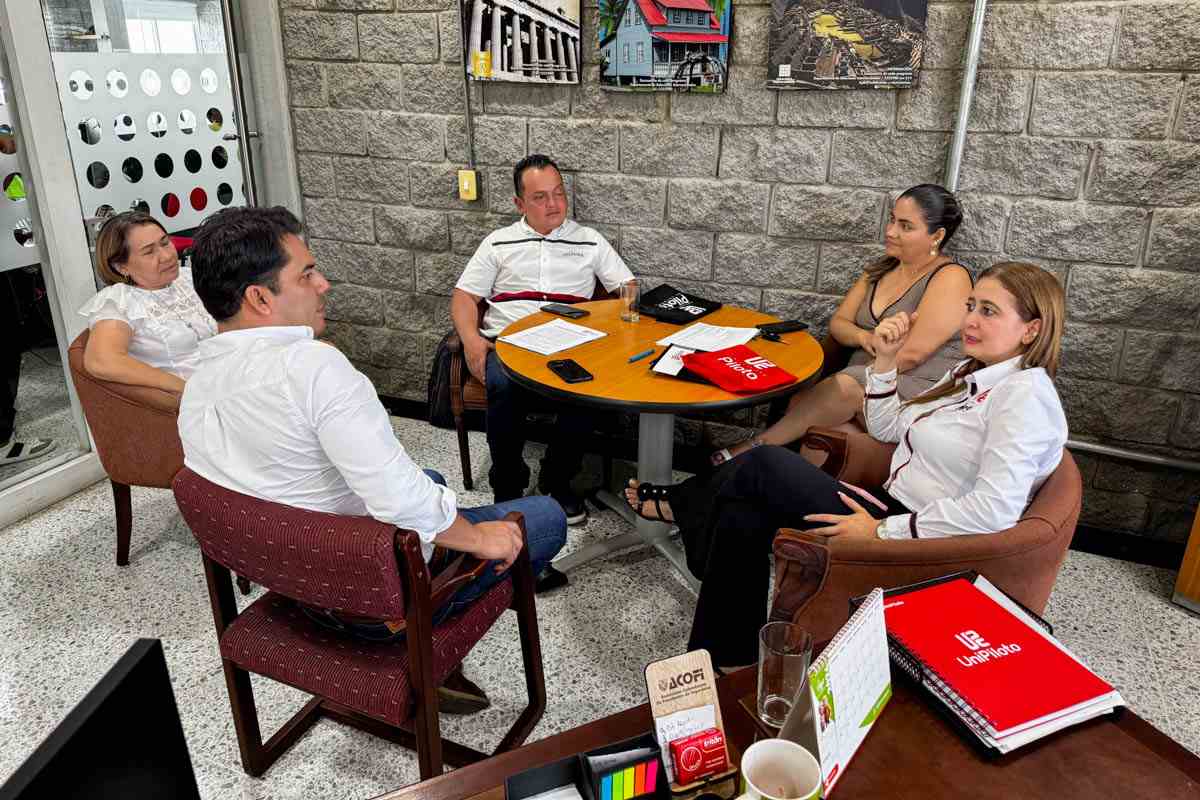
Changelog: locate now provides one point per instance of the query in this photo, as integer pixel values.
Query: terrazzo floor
(68, 612)
(43, 411)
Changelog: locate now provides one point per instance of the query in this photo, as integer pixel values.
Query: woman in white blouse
(972, 451)
(147, 323)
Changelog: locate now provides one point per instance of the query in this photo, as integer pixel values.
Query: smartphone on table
(569, 370)
(786, 326)
(563, 310)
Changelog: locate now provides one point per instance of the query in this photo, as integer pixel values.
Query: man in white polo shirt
(544, 257)
(272, 413)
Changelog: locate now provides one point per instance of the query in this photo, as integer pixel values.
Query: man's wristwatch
(881, 529)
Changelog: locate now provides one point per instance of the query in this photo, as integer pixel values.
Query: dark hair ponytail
(939, 209)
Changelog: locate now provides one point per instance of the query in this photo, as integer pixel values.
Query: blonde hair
(1038, 295)
(112, 245)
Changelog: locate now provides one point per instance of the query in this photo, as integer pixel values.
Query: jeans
(545, 534)
(508, 403)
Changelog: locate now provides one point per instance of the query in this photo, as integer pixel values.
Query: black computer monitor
(124, 740)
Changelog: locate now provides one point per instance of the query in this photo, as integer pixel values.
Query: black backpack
(440, 414)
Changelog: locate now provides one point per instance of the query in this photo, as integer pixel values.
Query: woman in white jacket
(971, 452)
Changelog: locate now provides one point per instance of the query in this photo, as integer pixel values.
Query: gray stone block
(355, 5)
(1077, 231)
(672, 254)
(347, 302)
(383, 267)
(589, 145)
(367, 86)
(815, 309)
(946, 29)
(743, 296)
(751, 25)
(1162, 360)
(417, 137)
(775, 154)
(327, 131)
(1000, 105)
(437, 273)
(1113, 511)
(403, 355)
(527, 100)
(887, 160)
(324, 37)
(414, 228)
(1150, 480)
(1146, 173)
(763, 261)
(1021, 166)
(1090, 351)
(1187, 429)
(1139, 298)
(1061, 36)
(427, 5)
(1160, 36)
(1188, 127)
(344, 220)
(498, 140)
(718, 205)
(841, 265)
(377, 179)
(670, 150)
(1097, 409)
(436, 186)
(1175, 239)
(306, 84)
(316, 174)
(449, 38)
(818, 212)
(354, 341)
(589, 100)
(468, 229)
(398, 38)
(420, 313)
(745, 101)
(984, 220)
(837, 109)
(1170, 521)
(1116, 106)
(620, 199)
(433, 87)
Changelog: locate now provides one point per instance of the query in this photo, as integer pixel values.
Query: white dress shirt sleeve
(357, 436)
(1024, 423)
(881, 406)
(609, 267)
(479, 276)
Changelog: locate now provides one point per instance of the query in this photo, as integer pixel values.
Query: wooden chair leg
(464, 451)
(243, 584)
(531, 654)
(124, 508)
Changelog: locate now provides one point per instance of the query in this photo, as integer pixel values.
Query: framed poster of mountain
(845, 44)
(525, 41)
(664, 45)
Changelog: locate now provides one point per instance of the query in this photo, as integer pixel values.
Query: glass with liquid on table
(631, 295)
(784, 653)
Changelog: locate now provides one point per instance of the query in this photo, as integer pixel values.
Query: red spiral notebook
(989, 659)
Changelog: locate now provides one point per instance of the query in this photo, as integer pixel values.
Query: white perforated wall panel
(16, 230)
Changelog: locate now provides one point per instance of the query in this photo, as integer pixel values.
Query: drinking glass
(631, 295)
(784, 652)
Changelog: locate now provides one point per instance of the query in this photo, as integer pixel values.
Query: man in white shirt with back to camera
(544, 257)
(275, 414)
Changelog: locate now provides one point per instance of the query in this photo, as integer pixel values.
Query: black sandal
(652, 491)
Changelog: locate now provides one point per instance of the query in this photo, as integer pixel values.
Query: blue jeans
(545, 534)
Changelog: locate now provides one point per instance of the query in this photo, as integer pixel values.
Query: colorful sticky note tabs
(639, 780)
(651, 775)
(618, 793)
(627, 783)
(606, 787)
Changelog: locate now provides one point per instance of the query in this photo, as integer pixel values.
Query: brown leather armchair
(136, 435)
(815, 577)
(468, 394)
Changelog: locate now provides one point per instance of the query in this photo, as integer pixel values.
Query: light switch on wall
(467, 185)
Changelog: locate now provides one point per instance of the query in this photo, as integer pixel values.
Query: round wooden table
(621, 386)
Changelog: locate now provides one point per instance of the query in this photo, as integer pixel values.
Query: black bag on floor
(438, 392)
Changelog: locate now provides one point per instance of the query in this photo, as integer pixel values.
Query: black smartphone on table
(786, 326)
(569, 370)
(563, 310)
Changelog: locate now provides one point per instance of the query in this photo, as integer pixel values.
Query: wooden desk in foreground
(911, 753)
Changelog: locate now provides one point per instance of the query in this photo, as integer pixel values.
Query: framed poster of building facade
(522, 40)
(845, 44)
(664, 45)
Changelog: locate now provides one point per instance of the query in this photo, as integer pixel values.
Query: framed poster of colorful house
(664, 45)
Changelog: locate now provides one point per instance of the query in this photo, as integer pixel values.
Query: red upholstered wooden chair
(358, 566)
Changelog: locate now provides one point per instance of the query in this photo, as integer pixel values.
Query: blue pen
(641, 355)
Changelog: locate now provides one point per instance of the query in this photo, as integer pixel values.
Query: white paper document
(553, 337)
(702, 336)
(671, 361)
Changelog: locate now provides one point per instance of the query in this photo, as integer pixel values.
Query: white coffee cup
(776, 769)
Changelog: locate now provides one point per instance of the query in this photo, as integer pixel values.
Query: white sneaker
(15, 451)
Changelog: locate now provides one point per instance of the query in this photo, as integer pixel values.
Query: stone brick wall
(1083, 156)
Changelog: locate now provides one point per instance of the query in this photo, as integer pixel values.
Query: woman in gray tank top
(913, 277)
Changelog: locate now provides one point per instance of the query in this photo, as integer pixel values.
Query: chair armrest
(454, 342)
(854, 458)
(837, 355)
